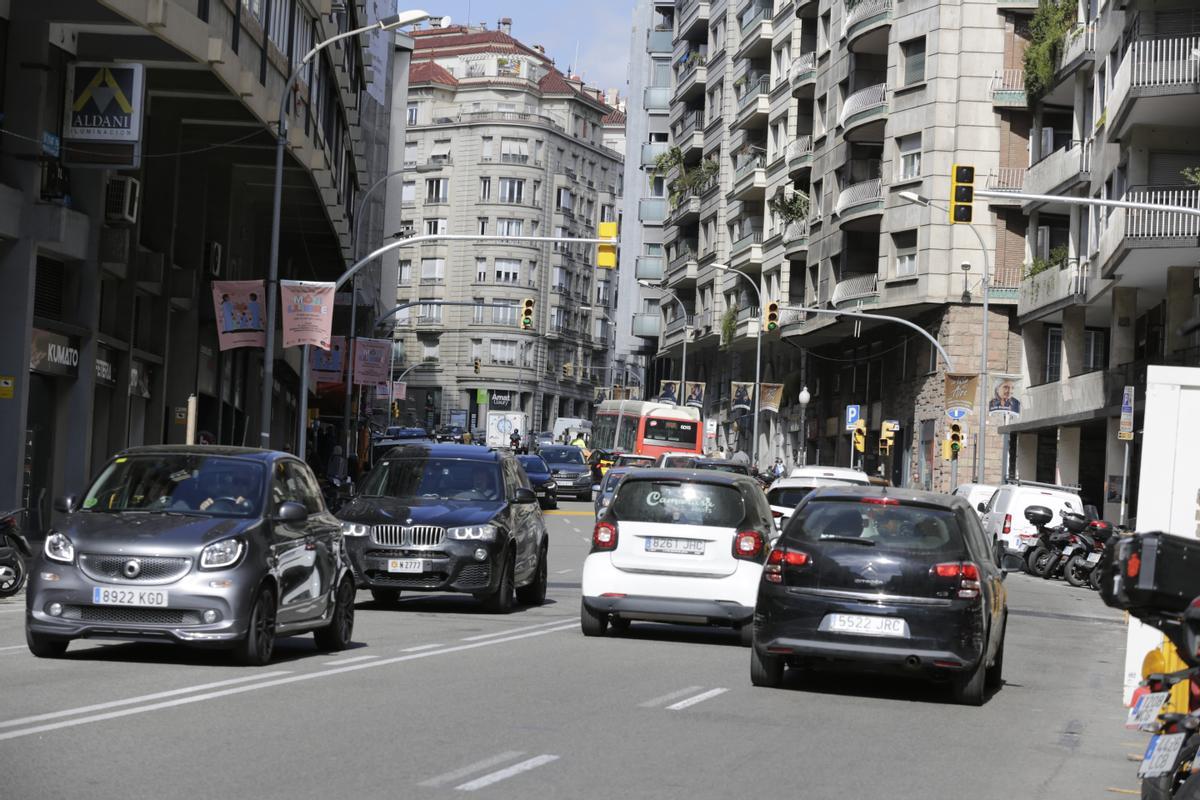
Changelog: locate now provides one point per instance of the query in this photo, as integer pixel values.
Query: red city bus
(647, 428)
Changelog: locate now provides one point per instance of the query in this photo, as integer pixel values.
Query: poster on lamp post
(772, 395)
(1005, 397)
(371, 361)
(743, 395)
(695, 394)
(307, 313)
(328, 366)
(961, 389)
(240, 317)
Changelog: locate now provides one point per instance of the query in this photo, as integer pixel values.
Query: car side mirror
(523, 495)
(291, 511)
(67, 504)
(982, 507)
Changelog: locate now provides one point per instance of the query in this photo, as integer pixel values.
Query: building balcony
(1141, 245)
(857, 289)
(1078, 46)
(758, 31)
(651, 152)
(750, 179)
(864, 113)
(747, 251)
(1008, 89)
(859, 199)
(657, 98)
(795, 240)
(648, 268)
(1073, 399)
(800, 156)
(686, 211)
(1158, 77)
(804, 75)
(692, 20)
(865, 26)
(647, 325)
(683, 269)
(652, 209)
(1006, 179)
(754, 104)
(1062, 170)
(691, 78)
(688, 133)
(1051, 290)
(659, 41)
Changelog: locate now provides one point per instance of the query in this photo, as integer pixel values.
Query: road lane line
(463, 772)
(660, 700)
(515, 769)
(272, 683)
(353, 660)
(14, 647)
(140, 699)
(480, 636)
(421, 647)
(700, 698)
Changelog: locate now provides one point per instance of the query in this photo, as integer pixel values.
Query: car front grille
(153, 569)
(426, 580)
(429, 555)
(129, 615)
(474, 575)
(407, 535)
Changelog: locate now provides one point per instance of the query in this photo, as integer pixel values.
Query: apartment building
(1109, 288)
(798, 125)
(111, 238)
(500, 142)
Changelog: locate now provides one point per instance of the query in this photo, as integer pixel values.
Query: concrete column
(1121, 341)
(1079, 131)
(1067, 471)
(1026, 455)
(1179, 305)
(1073, 341)
(1034, 339)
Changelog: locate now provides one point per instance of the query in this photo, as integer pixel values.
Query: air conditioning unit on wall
(122, 199)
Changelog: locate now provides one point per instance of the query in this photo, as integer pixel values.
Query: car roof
(690, 476)
(918, 497)
(816, 471)
(255, 453)
(466, 452)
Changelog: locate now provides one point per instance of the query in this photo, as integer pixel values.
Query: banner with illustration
(695, 394)
(625, 393)
(307, 313)
(743, 395)
(397, 391)
(241, 317)
(772, 395)
(371, 361)
(1005, 398)
(668, 392)
(328, 366)
(961, 390)
(602, 394)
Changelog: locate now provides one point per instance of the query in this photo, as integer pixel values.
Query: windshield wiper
(847, 540)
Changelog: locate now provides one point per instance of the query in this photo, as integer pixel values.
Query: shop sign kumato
(54, 354)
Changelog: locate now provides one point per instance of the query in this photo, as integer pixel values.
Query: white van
(976, 494)
(571, 426)
(1004, 515)
(786, 493)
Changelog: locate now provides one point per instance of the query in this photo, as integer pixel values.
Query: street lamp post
(268, 381)
(804, 398)
(913, 197)
(757, 362)
(686, 331)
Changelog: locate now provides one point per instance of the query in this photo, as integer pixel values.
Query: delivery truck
(502, 424)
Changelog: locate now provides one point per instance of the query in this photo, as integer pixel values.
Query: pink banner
(241, 318)
(397, 391)
(329, 366)
(371, 361)
(307, 313)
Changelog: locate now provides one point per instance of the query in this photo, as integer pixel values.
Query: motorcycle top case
(1153, 571)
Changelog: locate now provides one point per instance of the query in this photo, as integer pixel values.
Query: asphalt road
(438, 698)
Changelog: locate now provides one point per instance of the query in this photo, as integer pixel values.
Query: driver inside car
(483, 485)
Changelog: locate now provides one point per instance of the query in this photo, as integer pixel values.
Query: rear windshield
(533, 464)
(722, 466)
(672, 462)
(788, 496)
(671, 432)
(635, 461)
(562, 455)
(913, 529)
(679, 503)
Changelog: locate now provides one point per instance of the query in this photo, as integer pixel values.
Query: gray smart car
(216, 546)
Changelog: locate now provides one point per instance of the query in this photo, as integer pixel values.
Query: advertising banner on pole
(743, 395)
(241, 321)
(1005, 399)
(329, 366)
(668, 392)
(307, 313)
(1125, 432)
(695, 394)
(371, 361)
(771, 397)
(961, 389)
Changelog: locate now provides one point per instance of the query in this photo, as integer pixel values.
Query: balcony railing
(746, 242)
(855, 287)
(862, 101)
(864, 10)
(755, 15)
(1080, 40)
(651, 152)
(1006, 179)
(806, 62)
(1163, 224)
(754, 89)
(795, 231)
(858, 194)
(1008, 88)
(657, 98)
(678, 323)
(686, 124)
(687, 65)
(659, 41)
(648, 268)
(748, 165)
(800, 146)
(1052, 286)
(1156, 64)
(1062, 166)
(652, 209)
(683, 255)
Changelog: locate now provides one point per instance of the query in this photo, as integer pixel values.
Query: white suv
(1004, 515)
(681, 547)
(786, 493)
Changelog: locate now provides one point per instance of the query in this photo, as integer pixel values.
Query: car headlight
(480, 533)
(550, 485)
(59, 548)
(218, 555)
(355, 529)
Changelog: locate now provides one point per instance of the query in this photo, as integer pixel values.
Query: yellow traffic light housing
(477, 366)
(962, 193)
(887, 437)
(606, 254)
(956, 438)
(771, 317)
(526, 321)
(860, 436)
(395, 409)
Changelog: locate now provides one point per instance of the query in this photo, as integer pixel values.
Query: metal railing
(678, 323)
(747, 241)
(800, 146)
(755, 87)
(1059, 166)
(862, 11)
(756, 15)
(1006, 179)
(854, 288)
(683, 255)
(1008, 86)
(1080, 39)
(1162, 224)
(862, 101)
(795, 231)
(748, 165)
(687, 123)
(805, 62)
(691, 60)
(857, 194)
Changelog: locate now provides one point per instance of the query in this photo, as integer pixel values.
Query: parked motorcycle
(14, 549)
(1045, 558)
(1080, 569)
(1072, 539)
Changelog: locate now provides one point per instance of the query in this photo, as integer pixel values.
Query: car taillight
(773, 571)
(776, 514)
(748, 545)
(1007, 524)
(604, 536)
(881, 501)
(966, 573)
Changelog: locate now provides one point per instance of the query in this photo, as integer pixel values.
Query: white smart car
(678, 546)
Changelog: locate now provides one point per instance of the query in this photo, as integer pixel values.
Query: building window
(504, 314)
(1095, 349)
(914, 60)
(508, 270)
(410, 153)
(432, 270)
(485, 189)
(933, 353)
(508, 227)
(404, 273)
(658, 186)
(909, 149)
(514, 151)
(412, 113)
(512, 190)
(563, 199)
(483, 226)
(487, 148)
(476, 349)
(435, 227)
(481, 270)
(905, 243)
(477, 310)
(427, 312)
(561, 280)
(558, 319)
(440, 152)
(408, 192)
(437, 190)
(1053, 371)
(503, 351)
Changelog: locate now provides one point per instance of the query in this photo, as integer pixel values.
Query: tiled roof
(614, 117)
(461, 40)
(430, 72)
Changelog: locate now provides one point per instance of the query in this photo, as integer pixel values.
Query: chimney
(505, 25)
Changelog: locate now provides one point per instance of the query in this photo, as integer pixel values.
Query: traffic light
(962, 193)
(395, 409)
(606, 254)
(887, 436)
(526, 321)
(771, 317)
(860, 436)
(568, 368)
(955, 436)
(477, 366)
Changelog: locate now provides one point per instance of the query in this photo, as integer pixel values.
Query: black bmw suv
(448, 518)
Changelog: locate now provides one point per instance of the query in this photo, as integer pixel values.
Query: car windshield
(434, 479)
(633, 461)
(916, 529)
(789, 496)
(187, 483)
(679, 503)
(674, 462)
(533, 464)
(723, 466)
(562, 455)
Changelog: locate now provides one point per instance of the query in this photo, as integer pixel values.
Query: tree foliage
(1047, 32)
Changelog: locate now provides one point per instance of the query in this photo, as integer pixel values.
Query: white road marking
(265, 684)
(564, 571)
(660, 700)
(700, 698)
(140, 699)
(14, 647)
(515, 769)
(477, 637)
(421, 647)
(353, 660)
(470, 768)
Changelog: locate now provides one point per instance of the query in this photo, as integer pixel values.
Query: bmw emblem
(132, 568)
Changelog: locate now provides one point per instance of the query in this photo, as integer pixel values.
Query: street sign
(957, 412)
(1125, 432)
(853, 415)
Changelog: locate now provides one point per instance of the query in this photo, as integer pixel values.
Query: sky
(600, 28)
